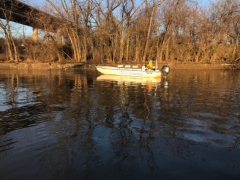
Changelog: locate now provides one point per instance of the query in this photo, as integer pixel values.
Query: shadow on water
(83, 125)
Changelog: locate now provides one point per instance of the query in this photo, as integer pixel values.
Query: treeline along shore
(67, 66)
(181, 33)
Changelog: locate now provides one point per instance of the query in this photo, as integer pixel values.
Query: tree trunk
(149, 31)
(167, 50)
(121, 47)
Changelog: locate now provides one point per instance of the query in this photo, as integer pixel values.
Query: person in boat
(150, 63)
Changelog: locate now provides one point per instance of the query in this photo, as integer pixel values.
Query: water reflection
(132, 135)
(79, 124)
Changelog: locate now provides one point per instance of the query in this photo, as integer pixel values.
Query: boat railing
(120, 66)
(127, 66)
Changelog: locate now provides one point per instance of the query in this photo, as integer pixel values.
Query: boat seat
(120, 66)
(127, 66)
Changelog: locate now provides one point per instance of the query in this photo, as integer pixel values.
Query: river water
(79, 124)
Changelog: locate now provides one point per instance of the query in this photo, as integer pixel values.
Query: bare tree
(234, 35)
(155, 4)
(170, 11)
(221, 22)
(127, 8)
(6, 27)
(77, 18)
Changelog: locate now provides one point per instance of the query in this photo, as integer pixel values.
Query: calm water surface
(80, 125)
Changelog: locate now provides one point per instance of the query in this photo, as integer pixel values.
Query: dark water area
(83, 125)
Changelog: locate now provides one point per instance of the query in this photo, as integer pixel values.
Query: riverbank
(66, 66)
(182, 66)
(40, 66)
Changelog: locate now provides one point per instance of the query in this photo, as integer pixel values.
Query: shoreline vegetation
(179, 33)
(68, 66)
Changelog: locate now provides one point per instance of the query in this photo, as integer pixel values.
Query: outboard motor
(165, 70)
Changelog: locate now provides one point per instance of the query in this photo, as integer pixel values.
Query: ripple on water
(93, 128)
(6, 145)
(207, 129)
(207, 115)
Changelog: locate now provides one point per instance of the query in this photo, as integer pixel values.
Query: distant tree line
(118, 31)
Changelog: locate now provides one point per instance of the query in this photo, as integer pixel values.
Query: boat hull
(128, 71)
(128, 79)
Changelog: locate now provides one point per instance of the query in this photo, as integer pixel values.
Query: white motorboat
(127, 70)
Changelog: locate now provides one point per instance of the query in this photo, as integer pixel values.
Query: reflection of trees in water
(36, 92)
(131, 149)
(79, 127)
(37, 97)
(22, 102)
(202, 104)
(202, 90)
(144, 127)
